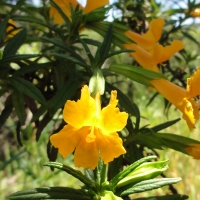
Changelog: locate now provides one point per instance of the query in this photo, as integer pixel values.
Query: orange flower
(193, 150)
(65, 6)
(195, 12)
(148, 53)
(187, 101)
(90, 131)
(11, 29)
(148, 40)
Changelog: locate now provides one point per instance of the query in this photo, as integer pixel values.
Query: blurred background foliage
(44, 64)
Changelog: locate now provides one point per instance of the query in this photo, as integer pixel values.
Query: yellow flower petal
(86, 155)
(162, 54)
(188, 113)
(155, 30)
(113, 99)
(89, 129)
(94, 4)
(82, 112)
(193, 84)
(66, 140)
(151, 37)
(110, 146)
(112, 119)
(140, 40)
(193, 150)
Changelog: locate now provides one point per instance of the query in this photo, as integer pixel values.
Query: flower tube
(91, 131)
(186, 100)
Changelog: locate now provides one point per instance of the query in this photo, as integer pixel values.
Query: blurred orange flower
(11, 29)
(195, 12)
(91, 131)
(148, 53)
(65, 6)
(187, 101)
(193, 150)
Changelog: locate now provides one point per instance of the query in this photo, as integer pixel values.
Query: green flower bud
(97, 83)
(144, 172)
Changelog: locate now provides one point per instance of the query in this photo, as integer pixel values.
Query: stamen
(91, 137)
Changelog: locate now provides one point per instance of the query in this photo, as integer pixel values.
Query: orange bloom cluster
(91, 131)
(148, 52)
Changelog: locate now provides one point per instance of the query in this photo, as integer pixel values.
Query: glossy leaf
(151, 184)
(5, 114)
(3, 26)
(14, 43)
(51, 193)
(75, 173)
(18, 103)
(164, 125)
(70, 58)
(27, 88)
(137, 74)
(64, 93)
(166, 197)
(13, 58)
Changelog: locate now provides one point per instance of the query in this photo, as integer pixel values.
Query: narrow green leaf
(151, 184)
(128, 170)
(75, 173)
(92, 42)
(105, 47)
(118, 52)
(64, 16)
(87, 50)
(14, 43)
(124, 101)
(164, 125)
(41, 110)
(137, 74)
(13, 58)
(3, 26)
(5, 114)
(177, 142)
(51, 193)
(70, 58)
(31, 68)
(150, 139)
(27, 88)
(190, 37)
(166, 197)
(89, 173)
(18, 103)
(64, 93)
(15, 157)
(32, 20)
(60, 44)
